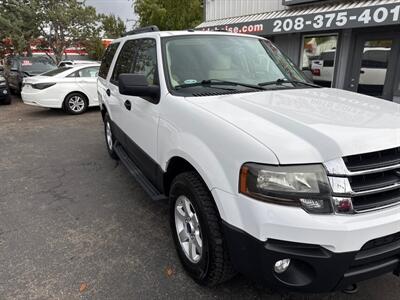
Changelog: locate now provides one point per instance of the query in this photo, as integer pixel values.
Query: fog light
(282, 265)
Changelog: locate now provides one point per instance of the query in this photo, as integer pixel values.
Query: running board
(148, 187)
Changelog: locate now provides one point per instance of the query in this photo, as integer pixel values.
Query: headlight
(42, 86)
(306, 186)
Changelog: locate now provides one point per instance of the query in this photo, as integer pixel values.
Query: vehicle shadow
(40, 112)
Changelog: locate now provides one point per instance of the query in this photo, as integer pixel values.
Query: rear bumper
(313, 268)
(40, 99)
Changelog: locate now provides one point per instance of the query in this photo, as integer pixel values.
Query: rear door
(123, 64)
(103, 91)
(86, 78)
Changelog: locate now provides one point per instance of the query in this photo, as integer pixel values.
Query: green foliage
(64, 23)
(169, 14)
(61, 23)
(95, 48)
(112, 26)
(18, 22)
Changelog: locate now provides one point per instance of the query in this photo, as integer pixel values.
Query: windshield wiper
(209, 82)
(281, 81)
(306, 83)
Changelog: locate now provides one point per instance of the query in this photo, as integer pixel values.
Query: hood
(310, 125)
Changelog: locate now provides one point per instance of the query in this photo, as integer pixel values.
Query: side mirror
(137, 85)
(308, 74)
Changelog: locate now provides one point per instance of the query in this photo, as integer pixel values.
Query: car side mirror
(137, 85)
(308, 74)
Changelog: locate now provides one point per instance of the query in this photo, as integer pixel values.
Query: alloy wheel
(188, 229)
(76, 104)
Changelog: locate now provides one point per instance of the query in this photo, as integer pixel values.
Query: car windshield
(36, 65)
(224, 60)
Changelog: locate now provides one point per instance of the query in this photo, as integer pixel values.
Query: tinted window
(375, 59)
(55, 71)
(14, 65)
(107, 60)
(328, 58)
(125, 60)
(36, 65)
(146, 61)
(88, 72)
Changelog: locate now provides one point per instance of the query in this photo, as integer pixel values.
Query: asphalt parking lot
(75, 225)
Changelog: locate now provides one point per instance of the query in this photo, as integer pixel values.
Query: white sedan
(73, 89)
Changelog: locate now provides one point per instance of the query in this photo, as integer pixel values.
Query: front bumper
(336, 233)
(313, 268)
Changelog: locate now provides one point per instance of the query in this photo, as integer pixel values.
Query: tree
(19, 23)
(66, 23)
(112, 26)
(169, 14)
(95, 48)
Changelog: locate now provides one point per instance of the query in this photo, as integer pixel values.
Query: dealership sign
(379, 15)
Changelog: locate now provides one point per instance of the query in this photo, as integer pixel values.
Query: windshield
(36, 65)
(198, 59)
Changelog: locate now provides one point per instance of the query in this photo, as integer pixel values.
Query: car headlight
(305, 186)
(42, 86)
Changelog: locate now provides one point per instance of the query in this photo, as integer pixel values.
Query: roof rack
(142, 30)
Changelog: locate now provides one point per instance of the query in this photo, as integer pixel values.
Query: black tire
(110, 147)
(13, 91)
(214, 265)
(7, 100)
(77, 98)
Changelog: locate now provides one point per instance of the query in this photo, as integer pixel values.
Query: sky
(120, 8)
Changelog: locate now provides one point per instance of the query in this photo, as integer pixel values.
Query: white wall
(219, 9)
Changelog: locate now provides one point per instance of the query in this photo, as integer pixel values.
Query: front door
(137, 117)
(375, 71)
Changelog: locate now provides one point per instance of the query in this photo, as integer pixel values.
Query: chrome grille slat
(372, 180)
(366, 172)
(378, 190)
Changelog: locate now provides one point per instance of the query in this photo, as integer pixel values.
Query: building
(352, 45)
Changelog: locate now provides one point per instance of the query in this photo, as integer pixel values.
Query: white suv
(267, 174)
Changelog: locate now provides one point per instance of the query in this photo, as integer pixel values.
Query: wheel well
(103, 110)
(176, 166)
(75, 92)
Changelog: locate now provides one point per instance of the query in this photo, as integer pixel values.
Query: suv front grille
(373, 160)
(373, 179)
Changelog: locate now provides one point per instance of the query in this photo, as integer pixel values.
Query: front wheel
(7, 101)
(196, 230)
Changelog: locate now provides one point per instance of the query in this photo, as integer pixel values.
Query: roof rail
(142, 30)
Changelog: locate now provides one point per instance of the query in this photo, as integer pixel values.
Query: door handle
(108, 92)
(362, 72)
(128, 104)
